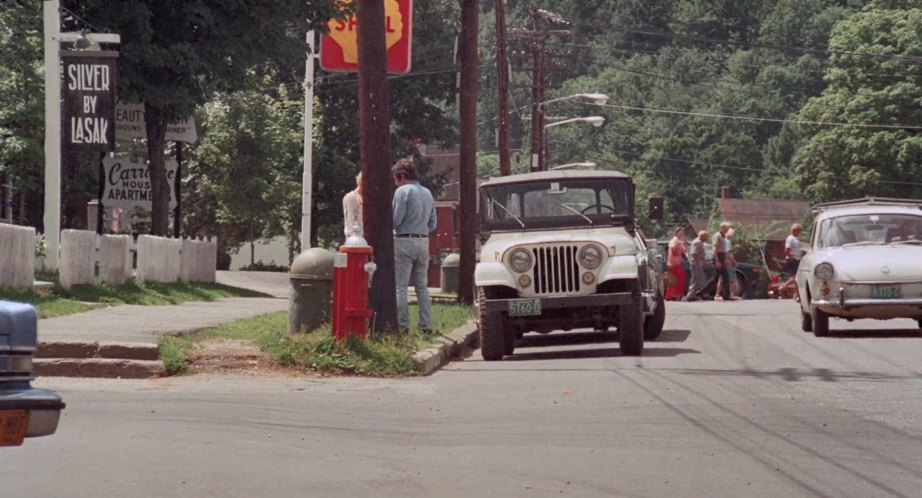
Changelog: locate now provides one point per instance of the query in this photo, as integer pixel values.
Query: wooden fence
(83, 254)
(17, 256)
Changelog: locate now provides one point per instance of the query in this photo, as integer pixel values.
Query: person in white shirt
(352, 207)
(792, 252)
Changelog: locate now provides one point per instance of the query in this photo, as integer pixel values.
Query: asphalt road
(733, 400)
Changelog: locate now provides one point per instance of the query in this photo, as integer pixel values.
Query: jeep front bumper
(559, 302)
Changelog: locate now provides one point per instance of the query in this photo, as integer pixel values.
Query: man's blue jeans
(411, 258)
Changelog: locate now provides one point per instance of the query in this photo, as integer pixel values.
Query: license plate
(13, 425)
(886, 292)
(524, 307)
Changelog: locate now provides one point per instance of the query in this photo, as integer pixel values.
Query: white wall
(17, 256)
(274, 251)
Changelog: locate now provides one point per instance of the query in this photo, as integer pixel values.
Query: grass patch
(78, 298)
(379, 355)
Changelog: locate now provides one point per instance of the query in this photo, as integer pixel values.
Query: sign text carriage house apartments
(88, 122)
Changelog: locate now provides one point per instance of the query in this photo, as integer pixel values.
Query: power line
(761, 119)
(704, 39)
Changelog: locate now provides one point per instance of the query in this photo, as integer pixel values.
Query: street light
(537, 122)
(593, 98)
(595, 121)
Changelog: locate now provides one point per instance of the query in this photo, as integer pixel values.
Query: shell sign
(339, 48)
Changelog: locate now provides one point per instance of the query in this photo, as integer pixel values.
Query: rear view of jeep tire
(653, 324)
(490, 326)
(631, 324)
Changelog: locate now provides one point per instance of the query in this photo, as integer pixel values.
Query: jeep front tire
(490, 325)
(630, 323)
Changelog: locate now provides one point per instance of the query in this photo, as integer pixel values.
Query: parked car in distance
(747, 274)
(24, 411)
(560, 251)
(863, 262)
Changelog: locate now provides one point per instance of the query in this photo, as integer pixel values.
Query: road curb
(98, 367)
(452, 346)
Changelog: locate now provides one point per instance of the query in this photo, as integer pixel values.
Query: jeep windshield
(553, 204)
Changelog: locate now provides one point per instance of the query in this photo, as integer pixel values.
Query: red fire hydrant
(351, 269)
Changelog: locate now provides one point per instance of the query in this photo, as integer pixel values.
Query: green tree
(245, 179)
(22, 104)
(871, 80)
(175, 55)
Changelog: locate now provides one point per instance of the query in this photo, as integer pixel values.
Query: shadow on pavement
(649, 352)
(875, 334)
(565, 339)
(672, 336)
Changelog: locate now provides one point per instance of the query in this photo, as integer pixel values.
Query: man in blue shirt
(414, 220)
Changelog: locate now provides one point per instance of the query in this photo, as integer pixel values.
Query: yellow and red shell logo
(339, 48)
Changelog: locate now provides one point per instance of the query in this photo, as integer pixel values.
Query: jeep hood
(616, 239)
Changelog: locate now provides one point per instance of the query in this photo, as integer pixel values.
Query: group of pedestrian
(413, 210)
(722, 258)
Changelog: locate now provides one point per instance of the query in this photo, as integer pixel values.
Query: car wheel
(630, 324)
(806, 321)
(819, 322)
(920, 324)
(653, 324)
(490, 325)
(741, 288)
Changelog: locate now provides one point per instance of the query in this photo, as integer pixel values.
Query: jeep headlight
(824, 271)
(520, 260)
(590, 257)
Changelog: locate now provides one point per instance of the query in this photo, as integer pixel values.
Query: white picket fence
(83, 253)
(17, 256)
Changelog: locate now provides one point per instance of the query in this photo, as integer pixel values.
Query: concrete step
(98, 367)
(110, 350)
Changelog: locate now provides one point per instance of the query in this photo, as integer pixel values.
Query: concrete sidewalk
(145, 324)
(121, 341)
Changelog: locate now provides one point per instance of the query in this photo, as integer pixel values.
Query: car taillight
(775, 278)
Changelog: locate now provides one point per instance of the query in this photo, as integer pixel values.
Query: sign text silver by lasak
(88, 121)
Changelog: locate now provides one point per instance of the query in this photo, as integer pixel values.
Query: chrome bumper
(842, 302)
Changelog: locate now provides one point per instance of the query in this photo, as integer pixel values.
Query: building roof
(773, 214)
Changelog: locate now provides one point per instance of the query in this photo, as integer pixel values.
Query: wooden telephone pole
(502, 89)
(375, 143)
(470, 12)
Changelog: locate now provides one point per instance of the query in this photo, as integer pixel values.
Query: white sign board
(129, 124)
(128, 183)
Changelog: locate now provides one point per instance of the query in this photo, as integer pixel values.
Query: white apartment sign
(129, 124)
(128, 183)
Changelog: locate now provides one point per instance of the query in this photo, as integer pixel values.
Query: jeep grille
(556, 269)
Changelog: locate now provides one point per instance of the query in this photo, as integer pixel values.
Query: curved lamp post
(595, 121)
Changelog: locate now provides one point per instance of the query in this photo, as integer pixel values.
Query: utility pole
(470, 12)
(307, 176)
(539, 72)
(375, 144)
(502, 89)
(537, 93)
